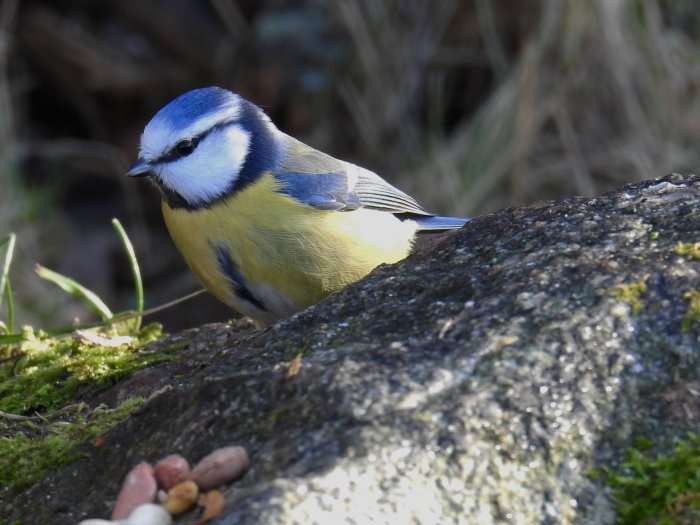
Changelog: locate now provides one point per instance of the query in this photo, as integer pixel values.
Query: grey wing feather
(300, 158)
(375, 192)
(325, 182)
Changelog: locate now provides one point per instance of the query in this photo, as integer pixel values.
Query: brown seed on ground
(213, 503)
(171, 470)
(220, 467)
(139, 487)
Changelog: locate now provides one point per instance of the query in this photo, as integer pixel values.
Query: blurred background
(468, 105)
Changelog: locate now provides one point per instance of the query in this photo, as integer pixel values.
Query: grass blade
(10, 339)
(8, 243)
(10, 308)
(136, 272)
(120, 317)
(77, 290)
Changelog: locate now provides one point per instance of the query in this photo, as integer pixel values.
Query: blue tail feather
(436, 223)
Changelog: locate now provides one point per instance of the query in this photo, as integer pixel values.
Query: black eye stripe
(174, 154)
(181, 149)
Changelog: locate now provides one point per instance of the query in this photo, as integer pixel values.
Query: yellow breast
(288, 254)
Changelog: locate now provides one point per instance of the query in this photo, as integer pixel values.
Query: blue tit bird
(268, 224)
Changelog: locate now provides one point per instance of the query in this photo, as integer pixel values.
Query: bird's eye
(185, 147)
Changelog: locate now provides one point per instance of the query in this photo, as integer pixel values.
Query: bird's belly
(273, 257)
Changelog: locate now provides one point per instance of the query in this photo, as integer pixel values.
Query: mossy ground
(39, 430)
(43, 373)
(631, 294)
(32, 447)
(659, 490)
(692, 314)
(688, 249)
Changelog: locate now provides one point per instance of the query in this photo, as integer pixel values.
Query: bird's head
(204, 145)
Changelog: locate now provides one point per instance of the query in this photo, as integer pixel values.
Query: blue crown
(195, 104)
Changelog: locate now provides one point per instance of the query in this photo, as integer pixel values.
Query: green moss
(44, 372)
(688, 249)
(40, 375)
(278, 413)
(290, 355)
(178, 346)
(42, 444)
(659, 490)
(692, 314)
(630, 294)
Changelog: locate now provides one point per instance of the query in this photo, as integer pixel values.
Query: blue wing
(326, 183)
(325, 191)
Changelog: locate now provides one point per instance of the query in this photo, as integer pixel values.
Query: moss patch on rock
(43, 373)
(692, 314)
(659, 489)
(630, 294)
(688, 249)
(39, 431)
(38, 445)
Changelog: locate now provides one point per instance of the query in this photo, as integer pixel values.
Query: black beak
(140, 168)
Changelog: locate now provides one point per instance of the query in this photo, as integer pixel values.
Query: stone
(479, 381)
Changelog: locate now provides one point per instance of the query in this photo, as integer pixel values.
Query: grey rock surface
(479, 381)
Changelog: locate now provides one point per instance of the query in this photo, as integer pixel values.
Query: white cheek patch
(154, 141)
(210, 171)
